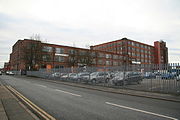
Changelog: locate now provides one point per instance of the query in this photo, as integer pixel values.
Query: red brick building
(31, 54)
(136, 52)
(6, 66)
(58, 56)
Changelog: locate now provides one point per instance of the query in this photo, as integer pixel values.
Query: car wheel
(78, 80)
(107, 80)
(138, 82)
(94, 81)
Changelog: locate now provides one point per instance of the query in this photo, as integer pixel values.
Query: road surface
(73, 103)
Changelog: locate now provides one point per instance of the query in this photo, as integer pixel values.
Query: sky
(81, 23)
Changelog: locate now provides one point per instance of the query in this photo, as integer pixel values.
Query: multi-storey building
(6, 66)
(31, 54)
(136, 52)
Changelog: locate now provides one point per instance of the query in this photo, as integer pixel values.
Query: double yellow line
(35, 108)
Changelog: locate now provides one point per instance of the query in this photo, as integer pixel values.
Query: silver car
(99, 77)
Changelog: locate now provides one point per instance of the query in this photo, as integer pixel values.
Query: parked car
(178, 77)
(83, 77)
(112, 74)
(168, 76)
(64, 76)
(149, 75)
(9, 73)
(56, 74)
(99, 77)
(127, 78)
(0, 73)
(73, 76)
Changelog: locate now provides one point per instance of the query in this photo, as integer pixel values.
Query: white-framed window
(47, 49)
(60, 50)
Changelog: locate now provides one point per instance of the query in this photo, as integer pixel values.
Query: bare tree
(87, 46)
(76, 59)
(32, 53)
(35, 37)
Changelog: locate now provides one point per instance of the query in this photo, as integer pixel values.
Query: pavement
(67, 102)
(10, 107)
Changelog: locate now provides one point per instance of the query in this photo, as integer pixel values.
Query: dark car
(0, 73)
(149, 75)
(127, 78)
(168, 76)
(178, 77)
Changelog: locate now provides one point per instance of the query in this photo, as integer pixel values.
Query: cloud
(90, 22)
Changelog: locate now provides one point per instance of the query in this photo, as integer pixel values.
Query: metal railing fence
(164, 78)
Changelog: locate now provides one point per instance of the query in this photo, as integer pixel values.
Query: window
(100, 62)
(101, 55)
(108, 56)
(138, 50)
(94, 61)
(138, 55)
(115, 56)
(121, 57)
(142, 46)
(47, 49)
(133, 54)
(93, 54)
(46, 58)
(133, 49)
(129, 42)
(71, 51)
(59, 58)
(137, 44)
(107, 62)
(142, 50)
(115, 63)
(119, 43)
(82, 52)
(133, 43)
(60, 50)
(129, 53)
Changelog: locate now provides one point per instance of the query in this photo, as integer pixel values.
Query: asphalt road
(73, 103)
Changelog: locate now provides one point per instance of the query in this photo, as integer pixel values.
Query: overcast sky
(88, 22)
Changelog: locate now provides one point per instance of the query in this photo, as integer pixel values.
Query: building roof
(121, 40)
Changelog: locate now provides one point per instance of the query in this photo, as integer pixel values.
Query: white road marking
(138, 110)
(40, 85)
(67, 92)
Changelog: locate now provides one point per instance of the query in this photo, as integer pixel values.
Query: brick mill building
(136, 52)
(32, 54)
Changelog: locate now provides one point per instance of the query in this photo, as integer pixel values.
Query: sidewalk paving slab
(10, 109)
